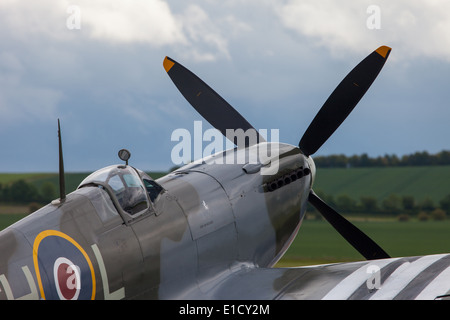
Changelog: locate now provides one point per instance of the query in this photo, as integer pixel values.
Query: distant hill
(419, 181)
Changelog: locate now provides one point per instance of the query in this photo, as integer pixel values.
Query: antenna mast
(62, 185)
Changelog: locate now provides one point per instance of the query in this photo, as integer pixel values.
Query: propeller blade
(358, 239)
(211, 106)
(342, 101)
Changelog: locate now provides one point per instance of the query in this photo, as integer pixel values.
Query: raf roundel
(63, 269)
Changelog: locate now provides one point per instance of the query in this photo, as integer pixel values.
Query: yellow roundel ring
(55, 248)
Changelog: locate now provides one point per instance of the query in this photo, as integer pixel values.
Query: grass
(7, 219)
(420, 182)
(317, 242)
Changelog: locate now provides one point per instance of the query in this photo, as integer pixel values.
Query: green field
(9, 218)
(317, 242)
(420, 182)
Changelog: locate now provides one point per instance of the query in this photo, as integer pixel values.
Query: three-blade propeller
(335, 110)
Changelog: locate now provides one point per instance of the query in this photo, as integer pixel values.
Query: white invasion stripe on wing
(439, 286)
(345, 288)
(404, 274)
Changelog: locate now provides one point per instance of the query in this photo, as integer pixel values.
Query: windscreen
(125, 183)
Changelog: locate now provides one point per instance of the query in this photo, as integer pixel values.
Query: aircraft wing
(423, 277)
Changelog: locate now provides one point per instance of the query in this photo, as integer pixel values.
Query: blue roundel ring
(63, 269)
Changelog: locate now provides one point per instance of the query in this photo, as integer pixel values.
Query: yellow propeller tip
(168, 64)
(383, 51)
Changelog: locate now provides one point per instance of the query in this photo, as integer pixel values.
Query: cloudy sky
(97, 65)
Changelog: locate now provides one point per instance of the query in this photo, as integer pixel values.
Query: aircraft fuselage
(208, 220)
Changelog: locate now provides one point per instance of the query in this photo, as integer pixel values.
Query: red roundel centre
(67, 279)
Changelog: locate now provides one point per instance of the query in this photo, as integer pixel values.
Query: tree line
(403, 206)
(22, 192)
(357, 161)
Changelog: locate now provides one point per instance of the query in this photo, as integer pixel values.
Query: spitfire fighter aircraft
(207, 230)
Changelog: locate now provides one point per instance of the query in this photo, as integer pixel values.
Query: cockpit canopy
(124, 185)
